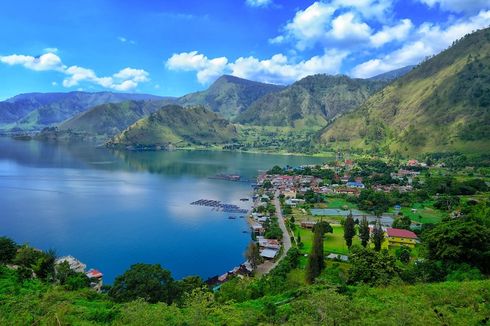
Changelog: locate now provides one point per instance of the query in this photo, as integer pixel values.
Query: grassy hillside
(443, 104)
(178, 126)
(310, 102)
(451, 303)
(229, 95)
(34, 111)
(111, 118)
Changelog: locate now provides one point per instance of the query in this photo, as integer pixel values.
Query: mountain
(394, 74)
(34, 111)
(111, 118)
(177, 126)
(441, 105)
(310, 102)
(229, 95)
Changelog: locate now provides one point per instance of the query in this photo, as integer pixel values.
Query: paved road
(267, 266)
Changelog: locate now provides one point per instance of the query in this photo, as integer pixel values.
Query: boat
(231, 217)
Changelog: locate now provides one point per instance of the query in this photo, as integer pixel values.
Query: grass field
(333, 242)
(337, 202)
(424, 213)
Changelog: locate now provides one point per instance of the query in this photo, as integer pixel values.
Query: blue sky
(175, 47)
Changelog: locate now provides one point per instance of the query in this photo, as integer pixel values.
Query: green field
(424, 213)
(333, 242)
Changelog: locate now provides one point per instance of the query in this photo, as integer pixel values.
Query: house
(258, 228)
(269, 253)
(412, 163)
(289, 193)
(348, 191)
(355, 184)
(95, 277)
(337, 256)
(307, 224)
(401, 237)
(293, 202)
(75, 264)
(268, 243)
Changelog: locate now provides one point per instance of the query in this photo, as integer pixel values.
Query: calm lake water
(111, 209)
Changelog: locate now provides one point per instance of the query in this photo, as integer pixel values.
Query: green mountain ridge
(177, 126)
(111, 118)
(34, 111)
(229, 95)
(310, 102)
(441, 105)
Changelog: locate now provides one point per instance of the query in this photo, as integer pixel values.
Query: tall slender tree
(349, 229)
(364, 231)
(253, 254)
(315, 259)
(378, 235)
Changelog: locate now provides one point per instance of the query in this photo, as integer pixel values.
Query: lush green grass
(340, 203)
(425, 213)
(333, 242)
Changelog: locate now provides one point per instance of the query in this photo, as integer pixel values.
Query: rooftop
(401, 233)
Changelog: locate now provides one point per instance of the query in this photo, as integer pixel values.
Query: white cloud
(334, 24)
(369, 9)
(308, 26)
(123, 39)
(428, 39)
(47, 61)
(258, 3)
(54, 83)
(392, 33)
(52, 50)
(347, 27)
(278, 69)
(459, 6)
(137, 75)
(124, 80)
(207, 69)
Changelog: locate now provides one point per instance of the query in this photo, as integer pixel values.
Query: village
(398, 197)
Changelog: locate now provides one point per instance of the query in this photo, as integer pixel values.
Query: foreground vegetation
(450, 303)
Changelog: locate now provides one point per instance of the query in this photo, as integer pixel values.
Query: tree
(349, 230)
(378, 235)
(315, 263)
(267, 184)
(364, 231)
(252, 254)
(402, 222)
(44, 267)
(8, 248)
(371, 267)
(69, 278)
(403, 254)
(459, 241)
(323, 227)
(151, 283)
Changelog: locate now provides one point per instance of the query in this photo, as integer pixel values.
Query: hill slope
(442, 104)
(310, 102)
(111, 118)
(34, 111)
(392, 75)
(177, 126)
(229, 95)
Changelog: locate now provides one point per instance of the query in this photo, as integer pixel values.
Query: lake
(111, 209)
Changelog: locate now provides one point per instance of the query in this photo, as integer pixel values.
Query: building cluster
(77, 266)
(344, 181)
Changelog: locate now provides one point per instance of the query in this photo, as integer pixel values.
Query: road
(267, 266)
